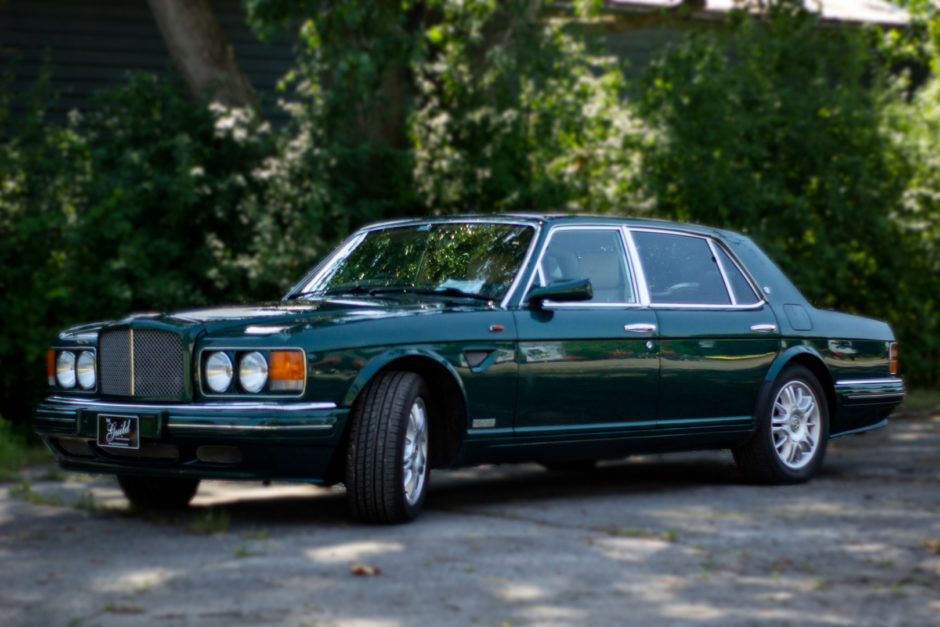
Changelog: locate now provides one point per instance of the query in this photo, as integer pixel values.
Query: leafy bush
(134, 206)
(533, 119)
(17, 450)
(775, 126)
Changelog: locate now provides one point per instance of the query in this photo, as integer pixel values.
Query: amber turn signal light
(50, 366)
(893, 357)
(286, 370)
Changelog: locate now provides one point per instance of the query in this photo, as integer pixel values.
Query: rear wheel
(790, 442)
(158, 492)
(387, 459)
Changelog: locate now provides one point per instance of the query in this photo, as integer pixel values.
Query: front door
(592, 366)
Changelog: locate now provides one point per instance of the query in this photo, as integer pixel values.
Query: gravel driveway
(652, 540)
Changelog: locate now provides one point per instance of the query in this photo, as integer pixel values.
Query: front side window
(596, 255)
(473, 258)
(680, 269)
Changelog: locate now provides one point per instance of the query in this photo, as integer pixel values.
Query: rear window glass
(680, 269)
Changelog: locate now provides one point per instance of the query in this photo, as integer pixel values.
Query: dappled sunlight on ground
(654, 539)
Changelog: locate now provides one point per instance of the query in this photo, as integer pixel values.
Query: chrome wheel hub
(795, 424)
(415, 454)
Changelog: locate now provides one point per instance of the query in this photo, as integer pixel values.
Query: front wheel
(387, 459)
(790, 441)
(158, 492)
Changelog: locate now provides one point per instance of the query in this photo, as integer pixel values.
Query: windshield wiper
(337, 291)
(391, 290)
(436, 291)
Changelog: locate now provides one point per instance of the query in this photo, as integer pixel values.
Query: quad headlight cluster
(272, 371)
(70, 369)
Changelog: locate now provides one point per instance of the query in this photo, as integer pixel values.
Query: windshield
(473, 259)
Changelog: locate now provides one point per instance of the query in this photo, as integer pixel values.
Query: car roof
(552, 219)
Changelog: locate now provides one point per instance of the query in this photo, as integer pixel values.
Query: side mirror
(562, 291)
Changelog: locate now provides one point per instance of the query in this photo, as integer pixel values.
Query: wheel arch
(809, 359)
(448, 397)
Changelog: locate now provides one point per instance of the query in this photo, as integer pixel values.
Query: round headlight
(253, 372)
(86, 370)
(65, 369)
(219, 372)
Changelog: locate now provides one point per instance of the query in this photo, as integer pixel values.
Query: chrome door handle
(640, 327)
(763, 328)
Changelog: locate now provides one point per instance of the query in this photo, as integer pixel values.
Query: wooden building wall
(91, 46)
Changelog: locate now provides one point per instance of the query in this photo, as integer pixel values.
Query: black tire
(780, 451)
(378, 487)
(158, 492)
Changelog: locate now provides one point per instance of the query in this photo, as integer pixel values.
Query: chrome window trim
(548, 304)
(721, 270)
(525, 262)
(97, 405)
(667, 306)
(338, 254)
(590, 305)
(246, 349)
(751, 283)
(642, 288)
(78, 389)
(757, 305)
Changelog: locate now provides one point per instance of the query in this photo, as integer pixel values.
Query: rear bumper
(864, 404)
(238, 440)
(866, 391)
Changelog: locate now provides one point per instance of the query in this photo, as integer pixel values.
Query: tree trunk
(202, 53)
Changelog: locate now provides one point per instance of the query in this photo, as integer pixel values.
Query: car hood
(275, 317)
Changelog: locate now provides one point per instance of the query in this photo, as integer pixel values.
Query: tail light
(893, 357)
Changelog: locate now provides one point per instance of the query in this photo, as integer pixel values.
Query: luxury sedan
(444, 342)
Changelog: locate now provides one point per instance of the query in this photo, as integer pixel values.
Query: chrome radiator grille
(141, 362)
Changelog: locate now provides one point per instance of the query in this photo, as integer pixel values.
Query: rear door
(717, 335)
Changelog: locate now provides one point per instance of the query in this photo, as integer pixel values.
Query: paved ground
(653, 540)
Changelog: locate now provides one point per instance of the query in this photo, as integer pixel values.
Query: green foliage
(134, 206)
(448, 106)
(212, 522)
(513, 113)
(17, 450)
(775, 127)
(915, 135)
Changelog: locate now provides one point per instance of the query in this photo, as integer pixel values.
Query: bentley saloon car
(445, 342)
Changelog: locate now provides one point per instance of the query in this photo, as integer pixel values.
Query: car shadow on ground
(481, 488)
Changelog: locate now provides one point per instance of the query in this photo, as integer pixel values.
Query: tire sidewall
(418, 389)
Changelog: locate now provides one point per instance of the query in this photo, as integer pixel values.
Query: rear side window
(597, 255)
(680, 269)
(743, 293)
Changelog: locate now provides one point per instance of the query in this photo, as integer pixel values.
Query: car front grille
(141, 363)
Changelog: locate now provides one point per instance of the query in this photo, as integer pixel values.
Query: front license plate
(119, 431)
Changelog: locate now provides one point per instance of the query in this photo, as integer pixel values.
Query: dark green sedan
(436, 343)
